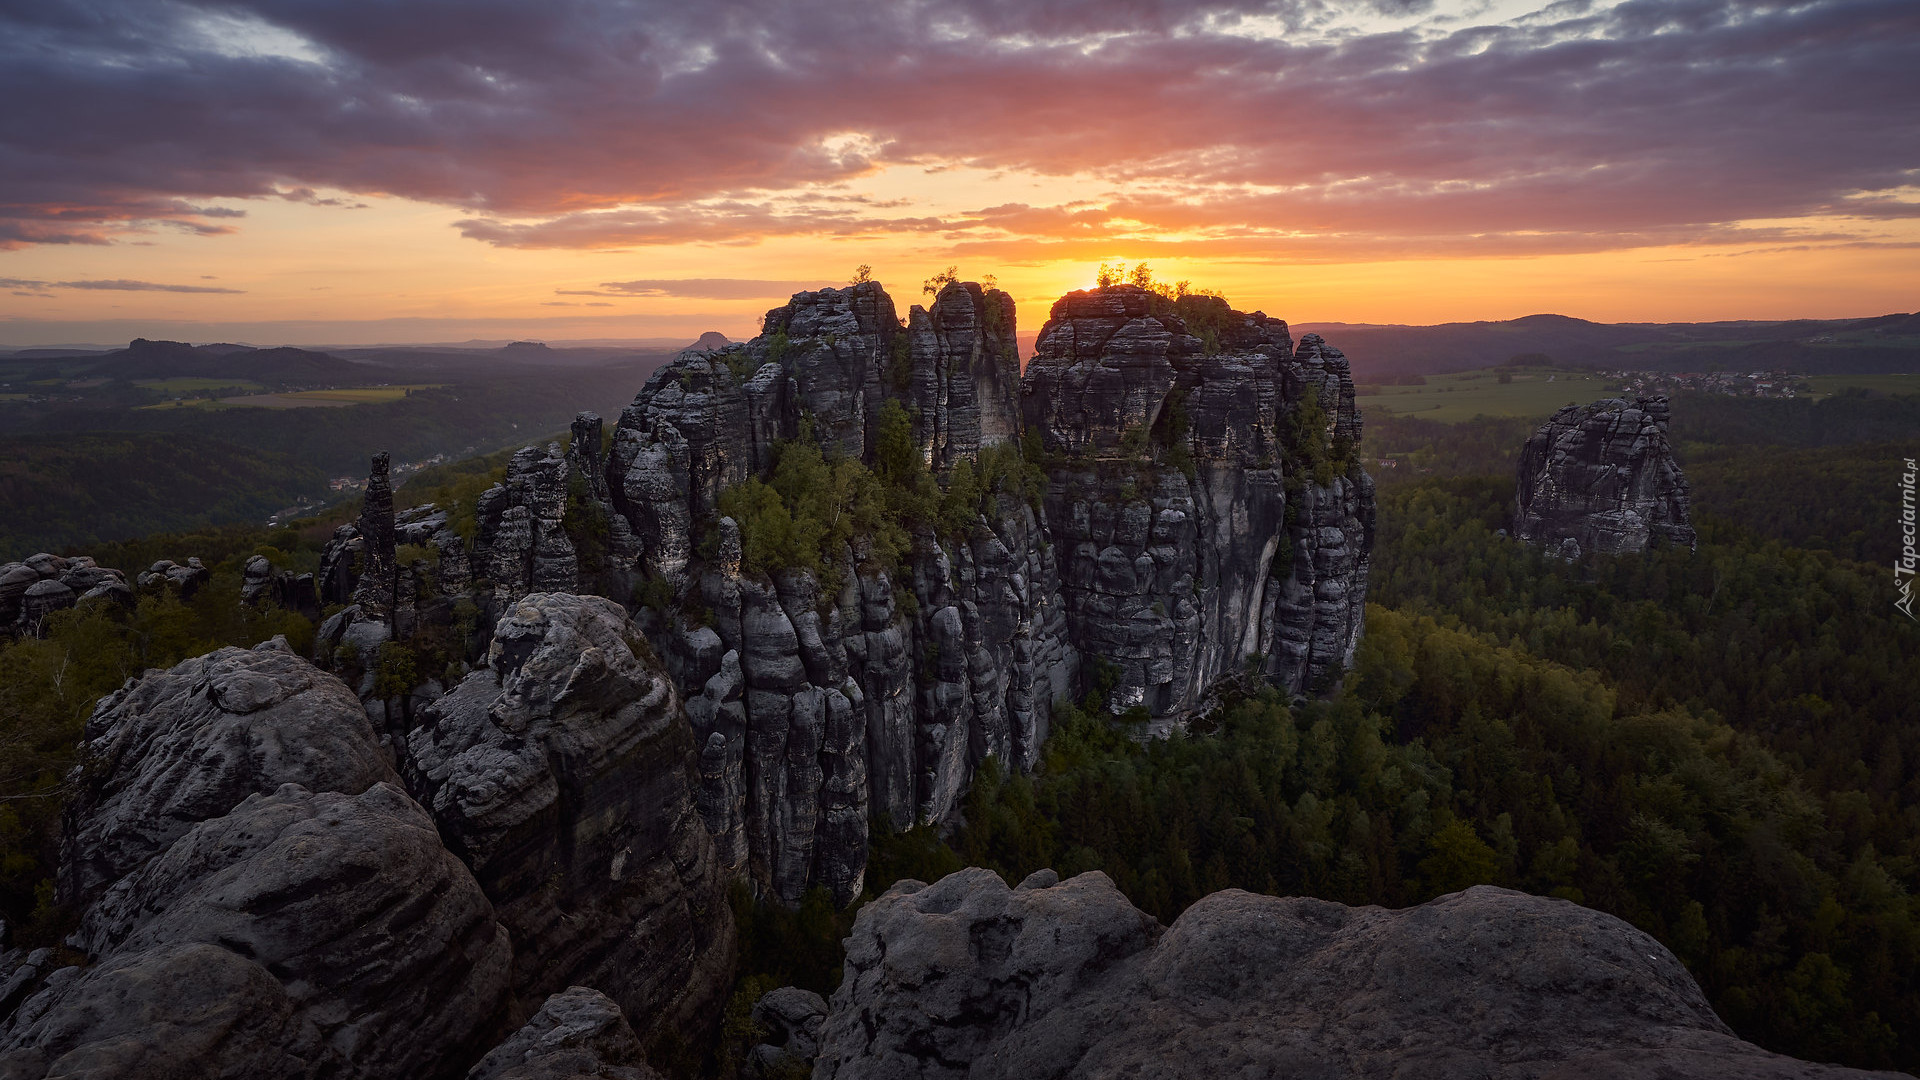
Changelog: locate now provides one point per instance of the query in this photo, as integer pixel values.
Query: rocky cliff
(968, 978)
(1601, 478)
(260, 894)
(563, 774)
(1246, 544)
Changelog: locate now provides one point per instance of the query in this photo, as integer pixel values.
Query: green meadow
(1453, 398)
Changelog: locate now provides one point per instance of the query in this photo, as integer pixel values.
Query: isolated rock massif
(1602, 478)
(1254, 553)
(968, 978)
(261, 893)
(1189, 521)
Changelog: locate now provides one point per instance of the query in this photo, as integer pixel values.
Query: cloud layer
(1282, 129)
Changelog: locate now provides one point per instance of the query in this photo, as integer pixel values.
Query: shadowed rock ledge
(968, 978)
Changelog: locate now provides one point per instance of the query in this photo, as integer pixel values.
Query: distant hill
(1888, 343)
(712, 339)
(144, 359)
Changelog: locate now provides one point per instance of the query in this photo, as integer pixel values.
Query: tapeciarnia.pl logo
(1904, 566)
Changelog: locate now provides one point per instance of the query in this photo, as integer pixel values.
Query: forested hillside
(69, 491)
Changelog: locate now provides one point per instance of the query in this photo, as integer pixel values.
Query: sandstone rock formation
(578, 1034)
(1601, 478)
(187, 579)
(33, 588)
(1202, 514)
(968, 978)
(793, 1019)
(258, 894)
(1250, 542)
(260, 582)
(564, 775)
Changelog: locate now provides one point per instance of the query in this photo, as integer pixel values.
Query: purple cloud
(581, 123)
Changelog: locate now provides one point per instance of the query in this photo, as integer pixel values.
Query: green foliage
(861, 275)
(808, 510)
(777, 346)
(586, 524)
(1309, 439)
(941, 280)
(900, 364)
(1839, 499)
(396, 672)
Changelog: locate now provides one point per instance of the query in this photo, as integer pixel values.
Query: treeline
(74, 490)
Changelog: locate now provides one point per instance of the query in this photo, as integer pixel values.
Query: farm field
(350, 395)
(1451, 399)
(187, 384)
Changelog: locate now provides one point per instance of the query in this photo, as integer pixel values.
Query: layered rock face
(1601, 478)
(967, 978)
(564, 775)
(259, 896)
(35, 587)
(1203, 515)
(818, 708)
(259, 893)
(578, 1034)
(1254, 548)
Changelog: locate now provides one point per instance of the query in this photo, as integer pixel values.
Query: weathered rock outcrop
(261, 583)
(1249, 540)
(1601, 478)
(579, 1034)
(1202, 514)
(967, 978)
(881, 695)
(964, 387)
(35, 587)
(792, 1019)
(186, 578)
(259, 895)
(564, 775)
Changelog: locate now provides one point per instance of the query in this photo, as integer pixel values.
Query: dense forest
(1717, 745)
(66, 491)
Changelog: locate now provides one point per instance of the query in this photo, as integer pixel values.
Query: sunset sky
(354, 171)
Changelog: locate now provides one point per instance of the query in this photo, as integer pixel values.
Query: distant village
(400, 468)
(1768, 384)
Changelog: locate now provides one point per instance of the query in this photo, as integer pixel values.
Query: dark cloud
(113, 285)
(595, 123)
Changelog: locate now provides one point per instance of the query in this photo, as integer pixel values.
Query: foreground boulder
(968, 978)
(564, 774)
(258, 895)
(578, 1034)
(1602, 478)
